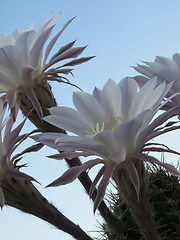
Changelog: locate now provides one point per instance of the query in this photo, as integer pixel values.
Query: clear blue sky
(120, 34)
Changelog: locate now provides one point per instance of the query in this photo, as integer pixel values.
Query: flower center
(114, 122)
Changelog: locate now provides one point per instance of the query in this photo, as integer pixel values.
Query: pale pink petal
(33, 98)
(111, 99)
(120, 157)
(176, 58)
(6, 82)
(26, 73)
(59, 70)
(35, 53)
(158, 149)
(49, 22)
(71, 53)
(77, 61)
(107, 138)
(103, 185)
(23, 43)
(158, 133)
(89, 108)
(147, 93)
(154, 67)
(11, 138)
(128, 87)
(169, 167)
(126, 133)
(69, 155)
(143, 70)
(166, 90)
(86, 144)
(60, 51)
(134, 176)
(9, 125)
(33, 148)
(68, 119)
(97, 95)
(11, 62)
(97, 178)
(167, 63)
(53, 41)
(144, 135)
(71, 174)
(12, 101)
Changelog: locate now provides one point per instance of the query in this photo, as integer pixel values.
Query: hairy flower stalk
(27, 198)
(115, 126)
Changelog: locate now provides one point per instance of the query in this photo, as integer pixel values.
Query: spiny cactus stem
(140, 208)
(47, 102)
(28, 199)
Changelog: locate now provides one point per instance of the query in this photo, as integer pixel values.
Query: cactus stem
(140, 208)
(29, 200)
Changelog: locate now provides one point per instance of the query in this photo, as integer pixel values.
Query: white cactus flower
(113, 125)
(24, 67)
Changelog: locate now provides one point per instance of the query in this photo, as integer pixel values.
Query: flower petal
(69, 155)
(33, 98)
(53, 41)
(68, 119)
(111, 99)
(128, 87)
(134, 176)
(98, 176)
(35, 53)
(88, 107)
(103, 185)
(169, 167)
(71, 174)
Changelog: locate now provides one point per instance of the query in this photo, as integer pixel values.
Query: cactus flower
(113, 125)
(24, 68)
(166, 70)
(9, 141)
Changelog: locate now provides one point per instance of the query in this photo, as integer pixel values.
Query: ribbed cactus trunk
(164, 196)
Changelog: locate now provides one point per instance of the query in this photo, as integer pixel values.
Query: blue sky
(120, 34)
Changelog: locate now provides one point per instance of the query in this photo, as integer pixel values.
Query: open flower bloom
(113, 125)
(9, 141)
(166, 70)
(23, 67)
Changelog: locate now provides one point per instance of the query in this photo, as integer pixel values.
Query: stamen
(95, 129)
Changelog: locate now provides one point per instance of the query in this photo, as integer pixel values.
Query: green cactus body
(164, 197)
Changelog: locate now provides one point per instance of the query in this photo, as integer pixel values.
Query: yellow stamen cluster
(95, 129)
